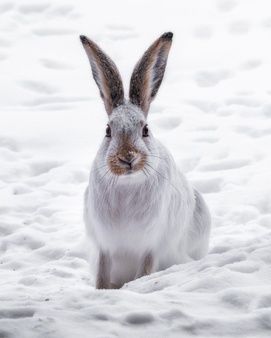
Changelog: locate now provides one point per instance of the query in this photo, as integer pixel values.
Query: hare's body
(153, 212)
(140, 211)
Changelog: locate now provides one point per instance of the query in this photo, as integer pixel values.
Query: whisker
(144, 172)
(115, 180)
(148, 172)
(102, 166)
(147, 163)
(100, 181)
(161, 158)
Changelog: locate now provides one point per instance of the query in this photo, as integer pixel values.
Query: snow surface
(213, 112)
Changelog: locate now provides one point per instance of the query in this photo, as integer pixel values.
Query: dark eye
(145, 131)
(108, 131)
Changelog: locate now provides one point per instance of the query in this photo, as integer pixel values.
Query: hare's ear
(149, 71)
(105, 74)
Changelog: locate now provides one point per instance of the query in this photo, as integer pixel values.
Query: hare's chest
(128, 219)
(129, 207)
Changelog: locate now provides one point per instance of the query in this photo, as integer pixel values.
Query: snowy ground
(213, 112)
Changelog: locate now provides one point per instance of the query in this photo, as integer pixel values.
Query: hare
(140, 211)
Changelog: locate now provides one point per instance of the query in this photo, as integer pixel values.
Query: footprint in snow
(206, 128)
(243, 101)
(80, 176)
(226, 5)
(7, 228)
(265, 221)
(205, 106)
(251, 64)
(8, 143)
(6, 7)
(233, 258)
(207, 186)
(188, 164)
(264, 302)
(16, 313)
(8, 155)
(168, 123)
(5, 334)
(33, 8)
(212, 78)
(52, 31)
(225, 165)
(139, 318)
(29, 281)
(266, 110)
(43, 167)
(57, 101)
(253, 132)
(51, 253)
(38, 87)
(245, 267)
(206, 139)
(25, 240)
(239, 27)
(46, 211)
(21, 189)
(219, 249)
(5, 43)
(55, 64)
(236, 298)
(3, 57)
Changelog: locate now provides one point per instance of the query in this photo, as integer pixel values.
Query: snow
(213, 112)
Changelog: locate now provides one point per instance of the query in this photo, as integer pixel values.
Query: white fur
(131, 215)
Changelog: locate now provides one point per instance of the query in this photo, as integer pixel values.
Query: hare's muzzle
(128, 159)
(126, 163)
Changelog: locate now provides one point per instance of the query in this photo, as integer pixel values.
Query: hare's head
(128, 142)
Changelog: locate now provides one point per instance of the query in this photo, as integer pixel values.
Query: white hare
(140, 211)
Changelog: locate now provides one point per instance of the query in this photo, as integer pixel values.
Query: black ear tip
(83, 39)
(167, 36)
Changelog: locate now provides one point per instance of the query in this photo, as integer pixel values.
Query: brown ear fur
(149, 72)
(105, 74)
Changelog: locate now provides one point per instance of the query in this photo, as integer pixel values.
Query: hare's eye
(108, 131)
(145, 131)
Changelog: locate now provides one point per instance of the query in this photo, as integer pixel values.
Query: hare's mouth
(126, 165)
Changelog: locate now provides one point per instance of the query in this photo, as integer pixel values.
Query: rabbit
(139, 210)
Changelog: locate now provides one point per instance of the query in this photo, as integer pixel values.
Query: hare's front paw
(146, 266)
(102, 283)
(103, 276)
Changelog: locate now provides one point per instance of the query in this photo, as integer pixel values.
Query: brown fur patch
(103, 275)
(126, 148)
(146, 266)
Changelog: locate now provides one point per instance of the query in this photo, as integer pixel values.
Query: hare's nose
(128, 158)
